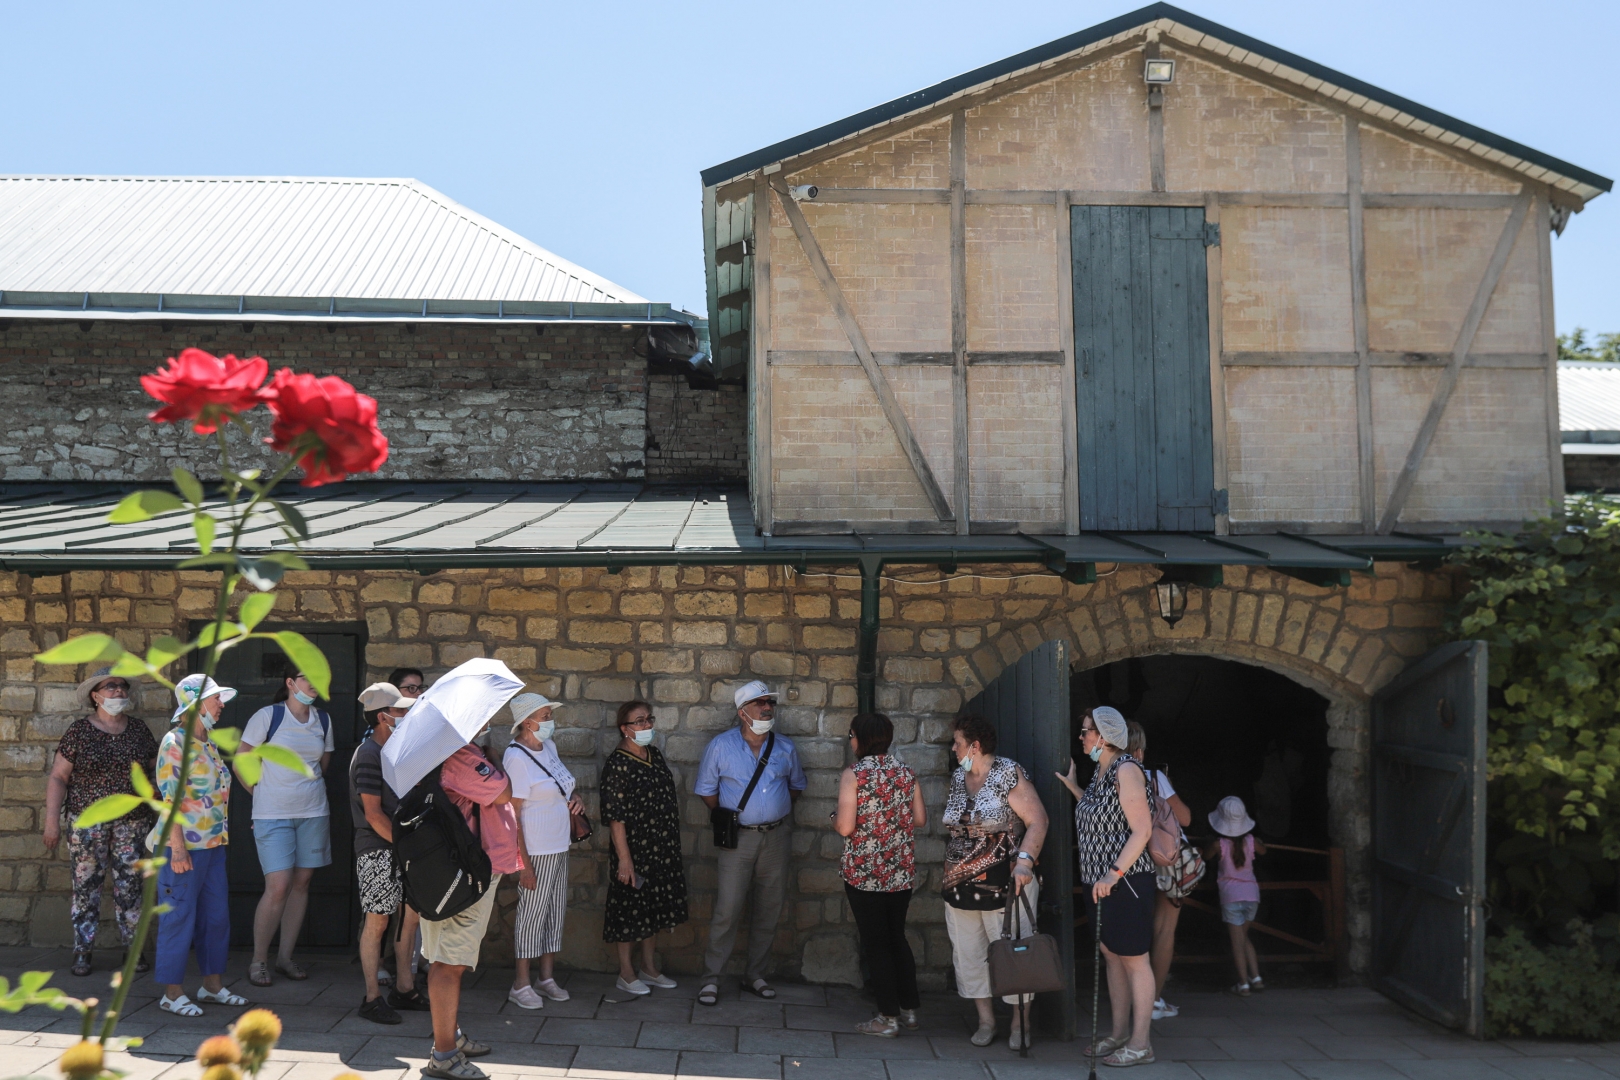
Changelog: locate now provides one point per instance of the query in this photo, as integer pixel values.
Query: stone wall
(457, 401)
(696, 434)
(684, 638)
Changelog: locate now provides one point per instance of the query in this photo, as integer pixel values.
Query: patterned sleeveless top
(987, 810)
(1100, 825)
(880, 856)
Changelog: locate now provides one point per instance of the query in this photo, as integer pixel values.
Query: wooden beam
(1380, 359)
(1071, 424)
(857, 339)
(1217, 375)
(1289, 359)
(759, 381)
(1549, 337)
(1365, 448)
(1331, 200)
(1155, 98)
(845, 358)
(1448, 378)
(961, 466)
(882, 195)
(1377, 201)
(1013, 357)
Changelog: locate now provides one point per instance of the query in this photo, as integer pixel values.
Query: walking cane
(1096, 982)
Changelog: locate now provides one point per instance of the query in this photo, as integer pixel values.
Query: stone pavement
(1337, 1034)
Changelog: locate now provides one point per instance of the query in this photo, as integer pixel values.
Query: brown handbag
(1024, 965)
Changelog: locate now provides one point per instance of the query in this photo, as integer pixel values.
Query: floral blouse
(879, 856)
(101, 763)
(205, 809)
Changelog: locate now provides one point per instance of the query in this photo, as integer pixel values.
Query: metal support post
(866, 661)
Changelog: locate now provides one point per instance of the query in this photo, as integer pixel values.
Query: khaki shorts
(455, 941)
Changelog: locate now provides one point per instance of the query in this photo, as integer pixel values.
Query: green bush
(1561, 991)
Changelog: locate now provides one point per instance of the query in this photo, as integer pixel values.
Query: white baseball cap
(383, 695)
(752, 692)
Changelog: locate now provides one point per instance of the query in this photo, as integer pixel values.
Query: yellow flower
(221, 1072)
(82, 1060)
(258, 1029)
(220, 1050)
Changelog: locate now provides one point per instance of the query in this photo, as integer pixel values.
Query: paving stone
(1362, 1047)
(699, 1064)
(1073, 1070)
(661, 1007)
(1171, 1048)
(623, 1063)
(832, 1018)
(1268, 1048)
(1458, 1046)
(752, 1013)
(1449, 1069)
(1557, 1048)
(1347, 1070)
(589, 1032)
(710, 1037)
(832, 1068)
(854, 1044)
(915, 1069)
(1244, 1070)
(752, 1040)
(1548, 1068)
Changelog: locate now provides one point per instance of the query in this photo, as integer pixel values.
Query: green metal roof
(380, 525)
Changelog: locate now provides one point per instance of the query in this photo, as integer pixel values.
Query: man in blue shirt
(764, 838)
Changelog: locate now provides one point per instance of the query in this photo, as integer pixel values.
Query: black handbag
(727, 822)
(579, 826)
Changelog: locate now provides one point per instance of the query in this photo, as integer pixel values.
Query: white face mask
(303, 698)
(966, 762)
(114, 705)
(545, 729)
(761, 727)
(644, 737)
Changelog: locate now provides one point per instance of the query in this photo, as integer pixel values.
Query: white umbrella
(444, 719)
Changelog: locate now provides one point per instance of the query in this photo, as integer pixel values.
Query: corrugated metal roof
(50, 528)
(1588, 396)
(272, 236)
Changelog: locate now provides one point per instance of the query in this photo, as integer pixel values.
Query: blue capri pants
(199, 917)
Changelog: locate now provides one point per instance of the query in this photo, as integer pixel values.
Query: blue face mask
(303, 698)
(966, 763)
(1096, 753)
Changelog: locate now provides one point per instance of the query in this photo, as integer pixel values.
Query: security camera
(801, 192)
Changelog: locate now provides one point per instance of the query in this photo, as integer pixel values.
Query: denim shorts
(285, 843)
(1236, 914)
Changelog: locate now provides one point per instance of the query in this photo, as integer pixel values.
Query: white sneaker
(549, 988)
(1163, 1010)
(635, 986)
(663, 982)
(524, 997)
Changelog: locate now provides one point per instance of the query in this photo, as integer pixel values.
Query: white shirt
(545, 804)
(282, 793)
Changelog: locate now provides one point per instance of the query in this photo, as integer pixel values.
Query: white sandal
(181, 1006)
(224, 997)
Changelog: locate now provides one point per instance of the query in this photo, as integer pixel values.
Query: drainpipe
(866, 659)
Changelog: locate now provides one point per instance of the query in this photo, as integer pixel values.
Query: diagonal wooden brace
(1459, 354)
(863, 352)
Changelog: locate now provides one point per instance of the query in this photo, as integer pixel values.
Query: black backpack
(443, 867)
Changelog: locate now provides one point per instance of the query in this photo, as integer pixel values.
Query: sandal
(1241, 989)
(180, 1006)
(761, 988)
(259, 973)
(291, 969)
(81, 964)
(224, 997)
(1257, 984)
(709, 995)
(1104, 1047)
(1125, 1057)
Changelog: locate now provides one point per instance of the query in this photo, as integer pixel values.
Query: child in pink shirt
(1234, 855)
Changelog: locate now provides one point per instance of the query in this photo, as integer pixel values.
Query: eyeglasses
(109, 686)
(639, 722)
(412, 689)
(1087, 729)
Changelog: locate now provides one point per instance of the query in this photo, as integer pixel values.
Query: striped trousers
(541, 910)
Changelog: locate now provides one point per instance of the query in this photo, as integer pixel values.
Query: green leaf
(293, 517)
(129, 665)
(205, 527)
(226, 738)
(302, 652)
(280, 755)
(84, 649)
(248, 768)
(254, 609)
(228, 631)
(108, 808)
(262, 574)
(31, 982)
(165, 651)
(143, 505)
(138, 780)
(188, 485)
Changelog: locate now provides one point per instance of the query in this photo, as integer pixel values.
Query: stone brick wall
(696, 434)
(683, 638)
(457, 401)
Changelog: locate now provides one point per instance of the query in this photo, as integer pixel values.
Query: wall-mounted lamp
(1172, 600)
(1159, 72)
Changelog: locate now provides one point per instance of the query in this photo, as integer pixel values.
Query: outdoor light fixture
(1172, 600)
(1159, 72)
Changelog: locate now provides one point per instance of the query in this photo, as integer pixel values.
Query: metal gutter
(149, 307)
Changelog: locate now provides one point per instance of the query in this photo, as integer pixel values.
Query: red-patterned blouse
(879, 855)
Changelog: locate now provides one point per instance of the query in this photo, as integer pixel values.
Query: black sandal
(709, 995)
(81, 964)
(761, 988)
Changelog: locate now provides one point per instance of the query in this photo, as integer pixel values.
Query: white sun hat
(1231, 818)
(196, 688)
(526, 705)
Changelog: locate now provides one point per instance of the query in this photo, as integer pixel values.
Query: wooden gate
(1428, 819)
(1029, 705)
(1141, 346)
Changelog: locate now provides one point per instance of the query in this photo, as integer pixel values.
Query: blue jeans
(199, 917)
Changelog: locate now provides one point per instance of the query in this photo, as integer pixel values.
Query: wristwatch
(1027, 855)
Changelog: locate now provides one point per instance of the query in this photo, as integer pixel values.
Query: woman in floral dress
(880, 807)
(647, 882)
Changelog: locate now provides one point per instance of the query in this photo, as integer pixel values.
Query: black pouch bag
(727, 822)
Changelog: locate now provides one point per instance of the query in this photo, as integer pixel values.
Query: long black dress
(642, 795)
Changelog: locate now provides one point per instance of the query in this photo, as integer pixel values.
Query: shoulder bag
(727, 822)
(579, 826)
(1164, 843)
(1023, 965)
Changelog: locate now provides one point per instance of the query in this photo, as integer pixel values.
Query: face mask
(303, 698)
(207, 719)
(544, 729)
(643, 737)
(761, 727)
(115, 705)
(1096, 753)
(966, 763)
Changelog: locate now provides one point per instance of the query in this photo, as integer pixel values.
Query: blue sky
(583, 126)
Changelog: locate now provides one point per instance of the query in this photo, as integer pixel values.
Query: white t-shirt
(545, 805)
(282, 793)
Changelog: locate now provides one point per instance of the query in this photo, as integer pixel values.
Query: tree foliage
(1575, 346)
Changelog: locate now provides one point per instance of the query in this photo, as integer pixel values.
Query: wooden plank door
(1141, 346)
(253, 668)
(1428, 825)
(1029, 705)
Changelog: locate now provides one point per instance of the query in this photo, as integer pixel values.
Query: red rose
(325, 425)
(207, 390)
